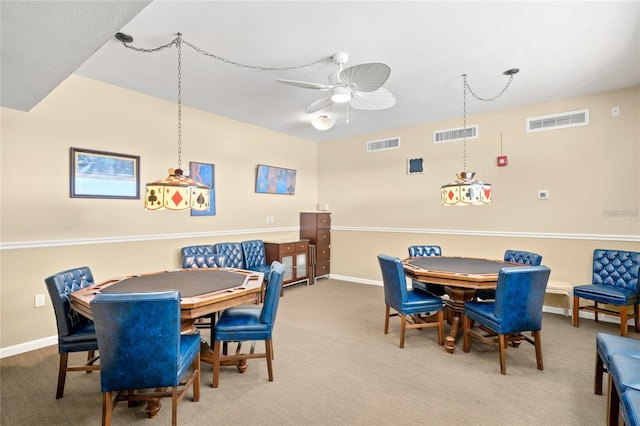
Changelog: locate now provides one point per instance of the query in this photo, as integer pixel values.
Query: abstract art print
(275, 180)
(205, 174)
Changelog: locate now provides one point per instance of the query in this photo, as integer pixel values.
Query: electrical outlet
(39, 300)
(543, 195)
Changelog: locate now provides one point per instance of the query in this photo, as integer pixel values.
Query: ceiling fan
(359, 85)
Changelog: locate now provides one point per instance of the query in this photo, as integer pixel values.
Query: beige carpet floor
(334, 366)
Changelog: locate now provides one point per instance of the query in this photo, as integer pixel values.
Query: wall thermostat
(543, 195)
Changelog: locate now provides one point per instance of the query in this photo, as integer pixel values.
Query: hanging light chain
(179, 44)
(489, 99)
(178, 40)
(464, 122)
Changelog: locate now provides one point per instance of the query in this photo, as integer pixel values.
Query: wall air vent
(450, 135)
(383, 144)
(558, 121)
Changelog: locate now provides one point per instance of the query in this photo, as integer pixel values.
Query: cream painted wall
(44, 231)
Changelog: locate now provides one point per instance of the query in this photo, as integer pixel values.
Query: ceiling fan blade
(366, 77)
(318, 105)
(305, 85)
(378, 99)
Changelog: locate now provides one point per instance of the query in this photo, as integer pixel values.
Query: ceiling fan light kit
(465, 190)
(323, 122)
(359, 86)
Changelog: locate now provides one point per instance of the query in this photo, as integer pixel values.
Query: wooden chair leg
(107, 408)
(503, 357)
(174, 406)
(466, 324)
(441, 328)
(196, 381)
(613, 404)
(269, 351)
(624, 314)
(636, 311)
(403, 328)
(62, 374)
(538, 343)
(216, 363)
(595, 313)
(386, 320)
(576, 310)
(597, 386)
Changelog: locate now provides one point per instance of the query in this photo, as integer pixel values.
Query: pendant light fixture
(465, 190)
(176, 191)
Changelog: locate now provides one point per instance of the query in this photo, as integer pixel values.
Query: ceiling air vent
(558, 121)
(383, 144)
(450, 135)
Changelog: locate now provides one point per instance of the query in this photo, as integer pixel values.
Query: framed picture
(100, 174)
(275, 180)
(204, 173)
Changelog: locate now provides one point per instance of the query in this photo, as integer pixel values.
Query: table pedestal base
(455, 312)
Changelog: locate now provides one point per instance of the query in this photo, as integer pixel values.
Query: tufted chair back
(195, 261)
(523, 257)
(519, 298)
(60, 286)
(193, 250)
(233, 254)
(616, 268)
(422, 251)
(255, 258)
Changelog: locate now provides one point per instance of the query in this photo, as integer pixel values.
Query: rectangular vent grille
(558, 121)
(450, 135)
(383, 144)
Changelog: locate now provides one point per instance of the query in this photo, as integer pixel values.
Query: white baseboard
(28, 346)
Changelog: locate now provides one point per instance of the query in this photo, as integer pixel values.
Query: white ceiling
(563, 49)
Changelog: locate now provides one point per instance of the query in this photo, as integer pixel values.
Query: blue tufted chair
(415, 308)
(75, 332)
(614, 282)
(516, 308)
(255, 258)
(197, 261)
(423, 251)
(249, 323)
(513, 256)
(233, 254)
(142, 348)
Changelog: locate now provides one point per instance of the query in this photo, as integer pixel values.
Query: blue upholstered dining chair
(415, 308)
(255, 258)
(513, 256)
(426, 250)
(142, 348)
(516, 308)
(614, 282)
(624, 385)
(232, 252)
(607, 345)
(75, 332)
(249, 323)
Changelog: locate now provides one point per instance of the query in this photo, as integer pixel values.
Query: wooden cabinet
(316, 227)
(294, 255)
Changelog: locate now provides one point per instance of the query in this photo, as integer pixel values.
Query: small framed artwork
(204, 173)
(414, 166)
(101, 174)
(275, 180)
